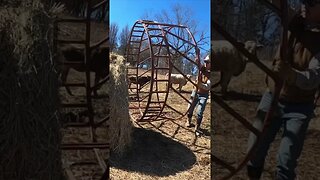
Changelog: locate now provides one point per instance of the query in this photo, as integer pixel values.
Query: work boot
(197, 130)
(188, 123)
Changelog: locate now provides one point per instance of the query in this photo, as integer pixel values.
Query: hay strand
(29, 124)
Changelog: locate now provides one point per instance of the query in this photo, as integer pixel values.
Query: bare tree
(113, 35)
(79, 8)
(182, 15)
(124, 37)
(250, 19)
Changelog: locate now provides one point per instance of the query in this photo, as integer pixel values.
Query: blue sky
(125, 12)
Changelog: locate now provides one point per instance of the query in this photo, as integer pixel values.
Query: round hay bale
(29, 123)
(120, 122)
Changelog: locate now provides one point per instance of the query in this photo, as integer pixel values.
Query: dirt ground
(230, 137)
(160, 150)
(82, 164)
(168, 152)
(166, 149)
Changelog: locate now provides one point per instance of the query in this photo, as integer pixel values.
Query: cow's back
(227, 58)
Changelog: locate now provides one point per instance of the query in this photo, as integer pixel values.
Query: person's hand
(203, 69)
(285, 72)
(200, 83)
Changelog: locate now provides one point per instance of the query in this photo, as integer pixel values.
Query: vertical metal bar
(197, 55)
(128, 54)
(137, 62)
(106, 174)
(55, 38)
(87, 63)
(152, 68)
(91, 124)
(169, 63)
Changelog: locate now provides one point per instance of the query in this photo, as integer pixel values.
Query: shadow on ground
(232, 95)
(153, 154)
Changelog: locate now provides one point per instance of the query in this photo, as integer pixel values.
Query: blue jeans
(294, 118)
(197, 100)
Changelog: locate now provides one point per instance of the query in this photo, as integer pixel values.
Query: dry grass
(230, 137)
(82, 135)
(29, 125)
(101, 108)
(158, 150)
(166, 149)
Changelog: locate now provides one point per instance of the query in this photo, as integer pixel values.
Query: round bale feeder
(155, 51)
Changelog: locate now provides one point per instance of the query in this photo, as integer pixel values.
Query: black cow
(141, 80)
(98, 64)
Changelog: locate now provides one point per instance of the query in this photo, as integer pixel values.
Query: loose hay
(29, 125)
(120, 123)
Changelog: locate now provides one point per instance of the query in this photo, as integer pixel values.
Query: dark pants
(294, 118)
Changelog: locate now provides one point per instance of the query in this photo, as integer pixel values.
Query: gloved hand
(285, 72)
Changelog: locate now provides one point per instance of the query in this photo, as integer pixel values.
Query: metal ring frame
(283, 12)
(94, 145)
(160, 47)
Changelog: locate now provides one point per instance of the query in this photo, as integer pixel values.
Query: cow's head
(144, 79)
(100, 58)
(252, 47)
(148, 78)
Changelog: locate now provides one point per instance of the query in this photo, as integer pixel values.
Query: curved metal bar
(130, 55)
(152, 66)
(198, 63)
(146, 110)
(278, 82)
